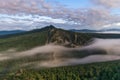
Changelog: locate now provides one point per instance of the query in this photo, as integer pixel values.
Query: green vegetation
(96, 71)
(81, 53)
(24, 41)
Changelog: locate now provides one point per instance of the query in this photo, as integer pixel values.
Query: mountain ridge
(46, 35)
(5, 32)
(95, 31)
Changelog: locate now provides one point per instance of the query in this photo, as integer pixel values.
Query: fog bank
(98, 50)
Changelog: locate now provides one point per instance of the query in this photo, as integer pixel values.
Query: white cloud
(38, 12)
(112, 25)
(108, 3)
(30, 21)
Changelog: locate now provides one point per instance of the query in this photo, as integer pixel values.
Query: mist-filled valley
(99, 50)
(49, 48)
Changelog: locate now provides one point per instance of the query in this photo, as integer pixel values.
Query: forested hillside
(96, 71)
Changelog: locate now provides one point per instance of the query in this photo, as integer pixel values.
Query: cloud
(108, 3)
(30, 22)
(31, 13)
(113, 24)
(22, 6)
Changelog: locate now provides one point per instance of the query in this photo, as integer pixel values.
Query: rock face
(66, 38)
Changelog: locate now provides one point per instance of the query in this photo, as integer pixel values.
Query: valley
(51, 47)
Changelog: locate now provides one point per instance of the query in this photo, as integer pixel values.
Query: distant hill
(10, 32)
(97, 31)
(84, 31)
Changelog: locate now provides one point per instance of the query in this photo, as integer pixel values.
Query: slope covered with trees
(96, 71)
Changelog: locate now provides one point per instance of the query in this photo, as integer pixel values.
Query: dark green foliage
(23, 42)
(96, 71)
(81, 53)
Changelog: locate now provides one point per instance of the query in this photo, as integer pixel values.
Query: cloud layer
(108, 3)
(55, 55)
(42, 13)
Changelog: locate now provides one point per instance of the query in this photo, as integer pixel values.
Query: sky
(66, 14)
(74, 3)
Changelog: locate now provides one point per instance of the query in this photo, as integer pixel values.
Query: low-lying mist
(111, 46)
(54, 55)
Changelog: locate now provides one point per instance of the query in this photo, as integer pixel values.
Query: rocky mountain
(46, 35)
